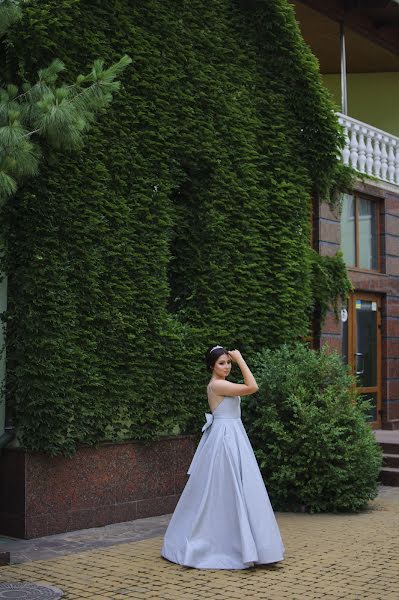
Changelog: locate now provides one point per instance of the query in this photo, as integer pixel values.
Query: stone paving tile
(102, 537)
(61, 544)
(328, 557)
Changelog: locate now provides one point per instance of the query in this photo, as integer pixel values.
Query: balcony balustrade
(370, 150)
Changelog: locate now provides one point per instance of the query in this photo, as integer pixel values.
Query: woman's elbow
(254, 388)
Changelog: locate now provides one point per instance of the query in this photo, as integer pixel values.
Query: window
(359, 231)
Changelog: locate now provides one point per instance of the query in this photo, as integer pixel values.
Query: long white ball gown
(224, 519)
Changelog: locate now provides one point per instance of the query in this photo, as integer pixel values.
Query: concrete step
(391, 460)
(389, 476)
(390, 447)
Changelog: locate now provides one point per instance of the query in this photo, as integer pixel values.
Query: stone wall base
(113, 483)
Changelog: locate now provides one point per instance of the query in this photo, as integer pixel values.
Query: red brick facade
(385, 283)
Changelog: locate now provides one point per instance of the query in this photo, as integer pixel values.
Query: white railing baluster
(377, 155)
(384, 157)
(391, 161)
(361, 161)
(370, 150)
(397, 164)
(345, 150)
(369, 153)
(354, 146)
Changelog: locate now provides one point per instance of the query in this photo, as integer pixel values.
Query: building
(357, 45)
(358, 49)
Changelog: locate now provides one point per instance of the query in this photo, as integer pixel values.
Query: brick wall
(385, 283)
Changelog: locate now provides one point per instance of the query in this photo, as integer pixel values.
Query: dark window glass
(366, 343)
(368, 235)
(348, 230)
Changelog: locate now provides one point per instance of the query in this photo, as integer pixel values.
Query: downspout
(7, 433)
(344, 95)
(6, 438)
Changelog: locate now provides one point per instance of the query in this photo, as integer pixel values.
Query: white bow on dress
(209, 421)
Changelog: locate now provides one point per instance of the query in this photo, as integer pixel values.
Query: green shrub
(310, 434)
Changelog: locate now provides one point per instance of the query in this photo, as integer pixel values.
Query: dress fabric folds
(224, 519)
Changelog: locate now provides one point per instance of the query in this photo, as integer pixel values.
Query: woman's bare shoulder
(211, 392)
(213, 398)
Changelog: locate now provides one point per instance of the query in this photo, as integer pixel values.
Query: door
(362, 347)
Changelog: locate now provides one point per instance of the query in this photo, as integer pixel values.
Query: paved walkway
(62, 544)
(353, 557)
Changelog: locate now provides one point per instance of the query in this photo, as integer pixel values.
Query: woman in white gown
(224, 519)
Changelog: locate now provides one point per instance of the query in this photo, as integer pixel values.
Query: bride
(224, 519)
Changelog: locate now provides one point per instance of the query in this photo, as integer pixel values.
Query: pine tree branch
(83, 92)
(10, 13)
(58, 114)
(31, 133)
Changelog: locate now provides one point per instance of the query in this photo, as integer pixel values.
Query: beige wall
(372, 98)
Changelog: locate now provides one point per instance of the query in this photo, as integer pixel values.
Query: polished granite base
(113, 483)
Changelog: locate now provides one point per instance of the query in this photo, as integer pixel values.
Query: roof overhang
(378, 20)
(372, 33)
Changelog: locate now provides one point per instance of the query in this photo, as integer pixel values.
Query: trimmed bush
(310, 432)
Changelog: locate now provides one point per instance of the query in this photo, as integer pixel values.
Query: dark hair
(212, 354)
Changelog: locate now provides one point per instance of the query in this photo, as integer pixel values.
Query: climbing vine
(185, 221)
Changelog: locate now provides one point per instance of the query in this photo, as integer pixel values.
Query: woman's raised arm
(222, 387)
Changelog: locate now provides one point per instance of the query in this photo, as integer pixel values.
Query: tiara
(214, 348)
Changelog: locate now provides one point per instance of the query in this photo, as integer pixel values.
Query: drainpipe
(344, 98)
(6, 438)
(6, 428)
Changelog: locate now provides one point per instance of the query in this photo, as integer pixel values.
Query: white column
(344, 95)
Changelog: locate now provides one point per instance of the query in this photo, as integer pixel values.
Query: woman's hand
(226, 388)
(235, 356)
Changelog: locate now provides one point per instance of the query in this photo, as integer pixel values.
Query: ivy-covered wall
(184, 222)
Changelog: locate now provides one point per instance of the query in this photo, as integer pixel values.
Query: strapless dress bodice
(230, 406)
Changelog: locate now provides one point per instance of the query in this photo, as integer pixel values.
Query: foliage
(313, 443)
(190, 224)
(330, 284)
(342, 180)
(10, 12)
(59, 114)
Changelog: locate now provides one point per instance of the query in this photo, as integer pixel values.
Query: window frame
(356, 196)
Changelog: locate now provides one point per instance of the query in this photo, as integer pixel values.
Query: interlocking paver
(328, 557)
